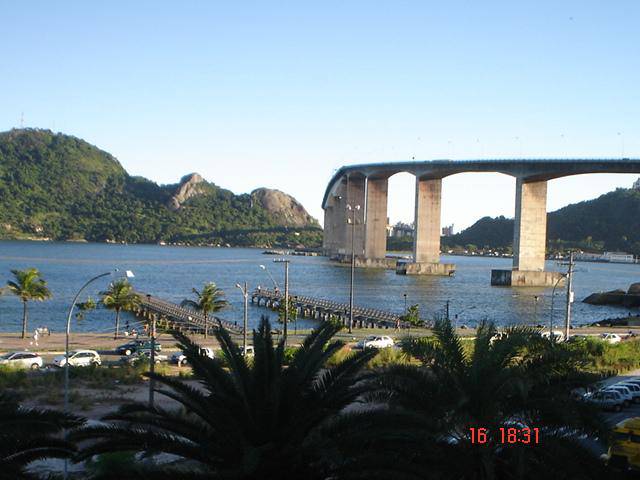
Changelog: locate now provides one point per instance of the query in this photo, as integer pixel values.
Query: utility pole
(245, 322)
(286, 296)
(567, 319)
(447, 310)
(353, 262)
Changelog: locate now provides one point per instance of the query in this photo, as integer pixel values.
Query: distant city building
(447, 231)
(400, 230)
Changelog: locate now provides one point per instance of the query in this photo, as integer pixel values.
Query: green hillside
(60, 187)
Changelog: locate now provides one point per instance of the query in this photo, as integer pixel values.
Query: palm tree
(28, 285)
(517, 380)
(31, 434)
(210, 299)
(248, 419)
(120, 296)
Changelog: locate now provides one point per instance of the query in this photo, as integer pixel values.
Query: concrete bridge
(366, 185)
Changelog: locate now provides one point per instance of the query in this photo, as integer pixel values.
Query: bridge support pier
(529, 240)
(375, 234)
(426, 240)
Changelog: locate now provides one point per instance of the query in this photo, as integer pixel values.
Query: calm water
(171, 272)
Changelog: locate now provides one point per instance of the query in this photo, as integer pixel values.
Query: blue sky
(280, 94)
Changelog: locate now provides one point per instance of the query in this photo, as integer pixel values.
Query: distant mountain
(609, 222)
(60, 187)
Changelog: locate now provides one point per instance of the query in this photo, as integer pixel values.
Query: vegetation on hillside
(60, 187)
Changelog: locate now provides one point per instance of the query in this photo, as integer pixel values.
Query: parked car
(134, 346)
(634, 388)
(79, 358)
(30, 360)
(556, 335)
(607, 400)
(611, 338)
(623, 391)
(180, 358)
(145, 356)
(375, 341)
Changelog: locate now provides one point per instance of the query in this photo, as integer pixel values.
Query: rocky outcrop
(282, 207)
(189, 186)
(630, 298)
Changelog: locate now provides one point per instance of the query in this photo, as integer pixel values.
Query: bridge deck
(181, 317)
(324, 309)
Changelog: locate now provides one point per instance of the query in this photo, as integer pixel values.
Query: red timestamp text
(510, 435)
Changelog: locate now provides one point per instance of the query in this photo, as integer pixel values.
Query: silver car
(607, 400)
(624, 392)
(24, 359)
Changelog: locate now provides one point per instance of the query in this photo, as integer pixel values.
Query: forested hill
(609, 222)
(60, 187)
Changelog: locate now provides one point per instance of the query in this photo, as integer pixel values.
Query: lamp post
(152, 355)
(129, 274)
(275, 284)
(286, 296)
(353, 211)
(245, 295)
(567, 319)
(553, 296)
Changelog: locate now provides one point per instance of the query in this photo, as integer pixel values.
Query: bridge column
(375, 231)
(338, 216)
(426, 240)
(355, 196)
(529, 239)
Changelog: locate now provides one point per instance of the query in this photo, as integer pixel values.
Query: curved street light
(128, 274)
(275, 284)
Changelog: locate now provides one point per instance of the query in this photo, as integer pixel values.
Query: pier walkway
(174, 317)
(321, 309)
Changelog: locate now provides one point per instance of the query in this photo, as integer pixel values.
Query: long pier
(321, 309)
(174, 317)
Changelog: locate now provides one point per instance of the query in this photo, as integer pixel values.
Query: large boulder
(614, 297)
(634, 289)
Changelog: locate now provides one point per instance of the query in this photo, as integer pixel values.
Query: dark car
(136, 346)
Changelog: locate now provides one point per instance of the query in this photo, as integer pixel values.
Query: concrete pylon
(529, 240)
(426, 240)
(338, 229)
(375, 240)
(355, 189)
(530, 226)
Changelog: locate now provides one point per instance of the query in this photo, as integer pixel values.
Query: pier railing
(173, 316)
(322, 309)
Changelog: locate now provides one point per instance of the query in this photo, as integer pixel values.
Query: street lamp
(553, 296)
(286, 295)
(128, 274)
(245, 294)
(263, 267)
(353, 211)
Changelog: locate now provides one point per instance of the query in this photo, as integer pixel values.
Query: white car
(556, 335)
(623, 391)
(611, 338)
(634, 388)
(30, 360)
(375, 341)
(79, 358)
(180, 358)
